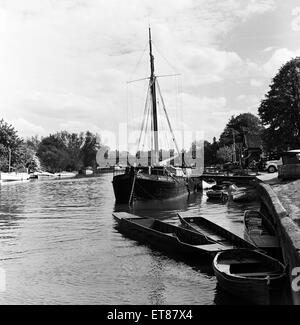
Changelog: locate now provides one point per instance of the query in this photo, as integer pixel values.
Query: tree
(225, 154)
(33, 142)
(280, 110)
(234, 133)
(9, 142)
(89, 150)
(68, 151)
(210, 153)
(237, 126)
(53, 154)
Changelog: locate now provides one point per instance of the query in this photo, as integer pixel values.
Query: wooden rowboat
(249, 274)
(244, 195)
(217, 192)
(260, 231)
(208, 184)
(215, 232)
(167, 237)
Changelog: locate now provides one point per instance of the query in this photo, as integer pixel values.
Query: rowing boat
(249, 274)
(215, 232)
(260, 231)
(242, 194)
(217, 192)
(167, 237)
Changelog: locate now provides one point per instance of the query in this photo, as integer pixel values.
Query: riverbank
(281, 201)
(289, 196)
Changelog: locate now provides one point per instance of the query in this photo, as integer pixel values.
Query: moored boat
(243, 194)
(43, 175)
(249, 274)
(65, 174)
(214, 232)
(260, 231)
(208, 184)
(14, 176)
(217, 192)
(167, 237)
(154, 180)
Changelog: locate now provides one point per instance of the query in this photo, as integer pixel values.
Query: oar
(196, 230)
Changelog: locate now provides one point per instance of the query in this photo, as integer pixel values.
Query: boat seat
(240, 261)
(214, 247)
(258, 274)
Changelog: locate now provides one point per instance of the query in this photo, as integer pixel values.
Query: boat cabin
(290, 168)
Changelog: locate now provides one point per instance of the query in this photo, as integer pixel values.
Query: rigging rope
(144, 118)
(139, 61)
(171, 66)
(167, 117)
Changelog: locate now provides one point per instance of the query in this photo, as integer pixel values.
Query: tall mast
(153, 96)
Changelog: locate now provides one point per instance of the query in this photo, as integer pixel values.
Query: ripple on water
(58, 245)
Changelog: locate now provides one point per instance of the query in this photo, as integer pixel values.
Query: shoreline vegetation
(245, 138)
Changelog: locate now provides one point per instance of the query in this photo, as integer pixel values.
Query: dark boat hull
(214, 231)
(150, 187)
(253, 289)
(260, 231)
(168, 237)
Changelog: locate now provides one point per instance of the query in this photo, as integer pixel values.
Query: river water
(58, 245)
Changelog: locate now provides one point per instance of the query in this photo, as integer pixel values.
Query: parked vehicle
(290, 169)
(271, 166)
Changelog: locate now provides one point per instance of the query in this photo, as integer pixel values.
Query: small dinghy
(167, 237)
(215, 232)
(249, 274)
(217, 192)
(208, 184)
(260, 231)
(243, 194)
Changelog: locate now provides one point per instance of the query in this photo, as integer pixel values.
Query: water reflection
(58, 245)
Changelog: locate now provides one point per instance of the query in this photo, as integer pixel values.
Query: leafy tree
(53, 153)
(65, 151)
(89, 150)
(280, 110)
(225, 154)
(234, 133)
(238, 126)
(9, 142)
(33, 143)
(210, 152)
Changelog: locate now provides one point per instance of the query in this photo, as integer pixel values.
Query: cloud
(278, 58)
(296, 22)
(26, 129)
(210, 65)
(256, 83)
(64, 64)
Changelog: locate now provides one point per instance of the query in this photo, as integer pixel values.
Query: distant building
(252, 148)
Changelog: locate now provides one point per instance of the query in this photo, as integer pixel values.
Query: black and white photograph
(150, 155)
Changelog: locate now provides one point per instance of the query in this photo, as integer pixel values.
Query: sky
(65, 64)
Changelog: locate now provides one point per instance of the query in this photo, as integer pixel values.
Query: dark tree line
(280, 110)
(57, 152)
(230, 146)
(68, 151)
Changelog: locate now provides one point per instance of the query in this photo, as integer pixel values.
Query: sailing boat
(155, 181)
(13, 176)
